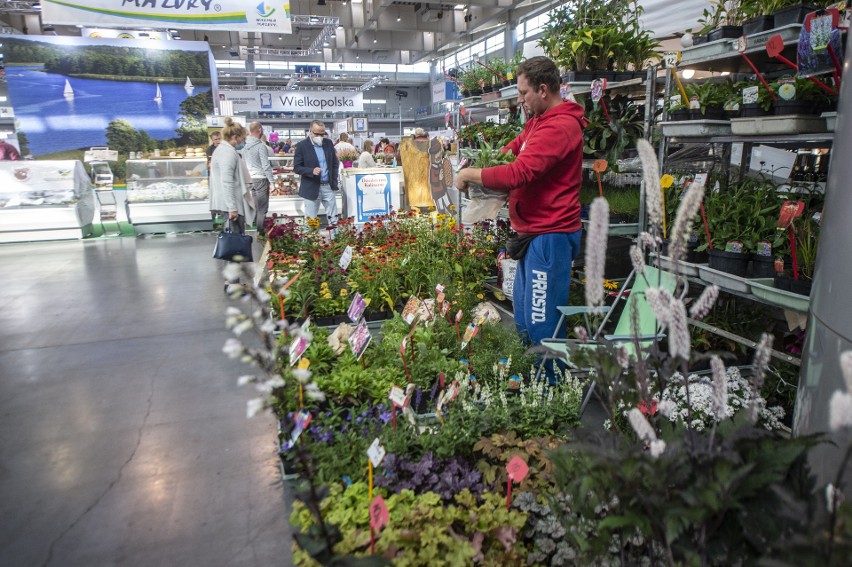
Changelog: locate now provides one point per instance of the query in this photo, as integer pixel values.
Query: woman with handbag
(228, 181)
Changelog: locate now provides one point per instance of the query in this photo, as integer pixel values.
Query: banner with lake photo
(67, 91)
(226, 15)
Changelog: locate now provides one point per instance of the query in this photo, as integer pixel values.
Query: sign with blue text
(372, 196)
(226, 15)
(294, 101)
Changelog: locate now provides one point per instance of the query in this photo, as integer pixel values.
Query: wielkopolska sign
(294, 101)
(229, 15)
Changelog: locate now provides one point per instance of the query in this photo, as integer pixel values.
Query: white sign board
(294, 101)
(226, 15)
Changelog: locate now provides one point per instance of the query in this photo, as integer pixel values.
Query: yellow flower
(480, 296)
(304, 363)
(452, 207)
(489, 237)
(343, 292)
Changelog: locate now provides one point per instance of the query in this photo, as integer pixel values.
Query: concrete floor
(123, 436)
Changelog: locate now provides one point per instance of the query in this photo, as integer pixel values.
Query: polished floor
(123, 435)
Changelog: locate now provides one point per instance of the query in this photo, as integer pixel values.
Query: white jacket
(256, 155)
(229, 182)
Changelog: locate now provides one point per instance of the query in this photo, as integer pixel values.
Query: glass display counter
(45, 200)
(168, 195)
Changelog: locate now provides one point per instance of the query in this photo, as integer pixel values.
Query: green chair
(647, 329)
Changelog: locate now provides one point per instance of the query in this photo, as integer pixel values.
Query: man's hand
(317, 171)
(467, 175)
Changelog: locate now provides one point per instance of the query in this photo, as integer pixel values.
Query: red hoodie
(544, 181)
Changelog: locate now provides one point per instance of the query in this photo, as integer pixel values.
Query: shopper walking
(366, 158)
(316, 162)
(229, 179)
(544, 207)
(256, 154)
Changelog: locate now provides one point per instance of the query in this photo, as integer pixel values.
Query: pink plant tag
(517, 469)
(775, 45)
(379, 514)
(459, 316)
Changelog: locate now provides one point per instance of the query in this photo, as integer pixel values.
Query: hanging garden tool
(775, 46)
(790, 211)
(665, 182)
(599, 167)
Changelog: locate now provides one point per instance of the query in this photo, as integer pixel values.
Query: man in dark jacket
(316, 162)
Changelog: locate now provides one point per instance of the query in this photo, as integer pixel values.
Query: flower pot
(476, 92)
(731, 114)
(488, 89)
(324, 321)
(375, 315)
(782, 282)
(735, 263)
(341, 318)
(762, 266)
(725, 32)
(694, 257)
(578, 76)
(752, 109)
(787, 107)
(679, 115)
(802, 287)
(507, 83)
(465, 93)
(758, 24)
(792, 14)
(699, 39)
(695, 114)
(714, 114)
(347, 164)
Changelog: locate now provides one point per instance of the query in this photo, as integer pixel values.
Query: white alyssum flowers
(596, 243)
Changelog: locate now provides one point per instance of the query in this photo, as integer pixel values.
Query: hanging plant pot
(758, 24)
(792, 14)
(725, 32)
(735, 263)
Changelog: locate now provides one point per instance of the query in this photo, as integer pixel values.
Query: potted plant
(722, 20)
(609, 138)
(468, 82)
(712, 97)
(790, 12)
(757, 15)
(347, 156)
(756, 106)
(797, 95)
(512, 69)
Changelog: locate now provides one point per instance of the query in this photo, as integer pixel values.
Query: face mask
(240, 146)
(317, 140)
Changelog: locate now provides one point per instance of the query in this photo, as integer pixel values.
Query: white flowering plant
(690, 465)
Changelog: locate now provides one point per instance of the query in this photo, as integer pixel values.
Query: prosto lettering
(539, 296)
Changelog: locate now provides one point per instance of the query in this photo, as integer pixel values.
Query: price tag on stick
(379, 517)
(517, 470)
(599, 166)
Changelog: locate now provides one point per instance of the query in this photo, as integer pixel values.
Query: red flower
(648, 410)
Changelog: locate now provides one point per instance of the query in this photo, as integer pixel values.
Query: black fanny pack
(517, 246)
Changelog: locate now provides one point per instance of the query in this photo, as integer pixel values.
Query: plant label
(409, 312)
(700, 179)
(297, 348)
(599, 166)
(360, 339)
(666, 181)
(459, 316)
(598, 87)
(517, 469)
(306, 325)
(398, 398)
(302, 420)
(763, 249)
(379, 514)
(734, 246)
(845, 19)
(356, 308)
(672, 58)
(403, 346)
(376, 452)
(345, 258)
(787, 88)
(445, 308)
(439, 297)
(694, 103)
(790, 211)
(469, 333)
(674, 100)
(775, 45)
(821, 32)
(750, 95)
(742, 44)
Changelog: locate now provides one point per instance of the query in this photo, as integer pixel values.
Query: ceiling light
(460, 6)
(280, 38)
(688, 73)
(375, 40)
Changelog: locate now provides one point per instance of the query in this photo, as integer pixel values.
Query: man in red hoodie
(544, 189)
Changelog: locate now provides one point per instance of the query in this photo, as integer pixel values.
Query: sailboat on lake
(188, 86)
(159, 95)
(68, 92)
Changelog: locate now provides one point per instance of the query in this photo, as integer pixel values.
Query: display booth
(168, 195)
(45, 200)
(371, 192)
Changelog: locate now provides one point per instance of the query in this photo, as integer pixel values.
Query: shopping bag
(509, 268)
(233, 246)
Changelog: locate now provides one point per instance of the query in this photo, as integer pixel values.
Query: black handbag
(233, 246)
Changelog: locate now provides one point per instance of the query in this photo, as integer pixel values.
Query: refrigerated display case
(168, 195)
(45, 200)
(284, 194)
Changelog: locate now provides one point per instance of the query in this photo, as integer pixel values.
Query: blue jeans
(542, 283)
(328, 198)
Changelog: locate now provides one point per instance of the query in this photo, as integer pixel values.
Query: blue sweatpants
(542, 283)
